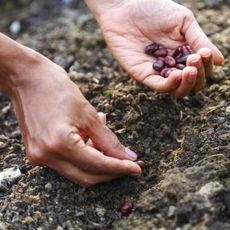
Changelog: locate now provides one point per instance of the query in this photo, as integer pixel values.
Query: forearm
(14, 59)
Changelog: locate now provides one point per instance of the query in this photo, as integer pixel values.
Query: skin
(141, 26)
(55, 118)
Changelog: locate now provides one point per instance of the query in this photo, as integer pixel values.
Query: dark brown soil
(185, 143)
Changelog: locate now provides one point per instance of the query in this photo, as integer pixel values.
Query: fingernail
(130, 153)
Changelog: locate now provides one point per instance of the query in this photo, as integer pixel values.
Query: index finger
(90, 159)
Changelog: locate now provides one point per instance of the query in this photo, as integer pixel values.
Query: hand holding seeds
(179, 54)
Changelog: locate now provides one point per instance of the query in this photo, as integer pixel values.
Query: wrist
(101, 6)
(15, 60)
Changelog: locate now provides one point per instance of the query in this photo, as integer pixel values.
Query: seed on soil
(150, 49)
(158, 65)
(161, 52)
(169, 61)
(126, 207)
(141, 164)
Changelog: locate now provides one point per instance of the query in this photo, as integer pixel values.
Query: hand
(55, 118)
(128, 26)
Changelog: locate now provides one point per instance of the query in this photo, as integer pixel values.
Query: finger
(161, 84)
(106, 141)
(91, 160)
(189, 75)
(197, 39)
(206, 55)
(195, 60)
(77, 175)
(102, 117)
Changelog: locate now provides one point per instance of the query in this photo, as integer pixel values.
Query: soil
(185, 143)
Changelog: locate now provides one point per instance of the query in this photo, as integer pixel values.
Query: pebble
(15, 27)
(8, 177)
(227, 110)
(48, 187)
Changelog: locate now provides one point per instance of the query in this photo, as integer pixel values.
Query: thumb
(106, 141)
(197, 39)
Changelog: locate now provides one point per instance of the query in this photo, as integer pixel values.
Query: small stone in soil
(126, 207)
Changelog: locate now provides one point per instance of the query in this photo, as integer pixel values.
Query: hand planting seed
(126, 207)
(168, 60)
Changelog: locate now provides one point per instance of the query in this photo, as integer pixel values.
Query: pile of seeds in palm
(168, 60)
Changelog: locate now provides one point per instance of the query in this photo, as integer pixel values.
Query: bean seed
(161, 58)
(150, 49)
(180, 66)
(182, 60)
(169, 61)
(185, 51)
(161, 52)
(163, 72)
(126, 207)
(174, 53)
(158, 65)
(141, 164)
(169, 72)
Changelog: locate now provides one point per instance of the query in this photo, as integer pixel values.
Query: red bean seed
(189, 49)
(161, 52)
(163, 72)
(158, 65)
(185, 51)
(182, 60)
(141, 164)
(180, 66)
(151, 48)
(126, 207)
(169, 72)
(161, 58)
(169, 61)
(174, 53)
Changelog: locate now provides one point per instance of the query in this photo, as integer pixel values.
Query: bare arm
(54, 118)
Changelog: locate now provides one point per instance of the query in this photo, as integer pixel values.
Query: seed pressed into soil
(126, 207)
(168, 60)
